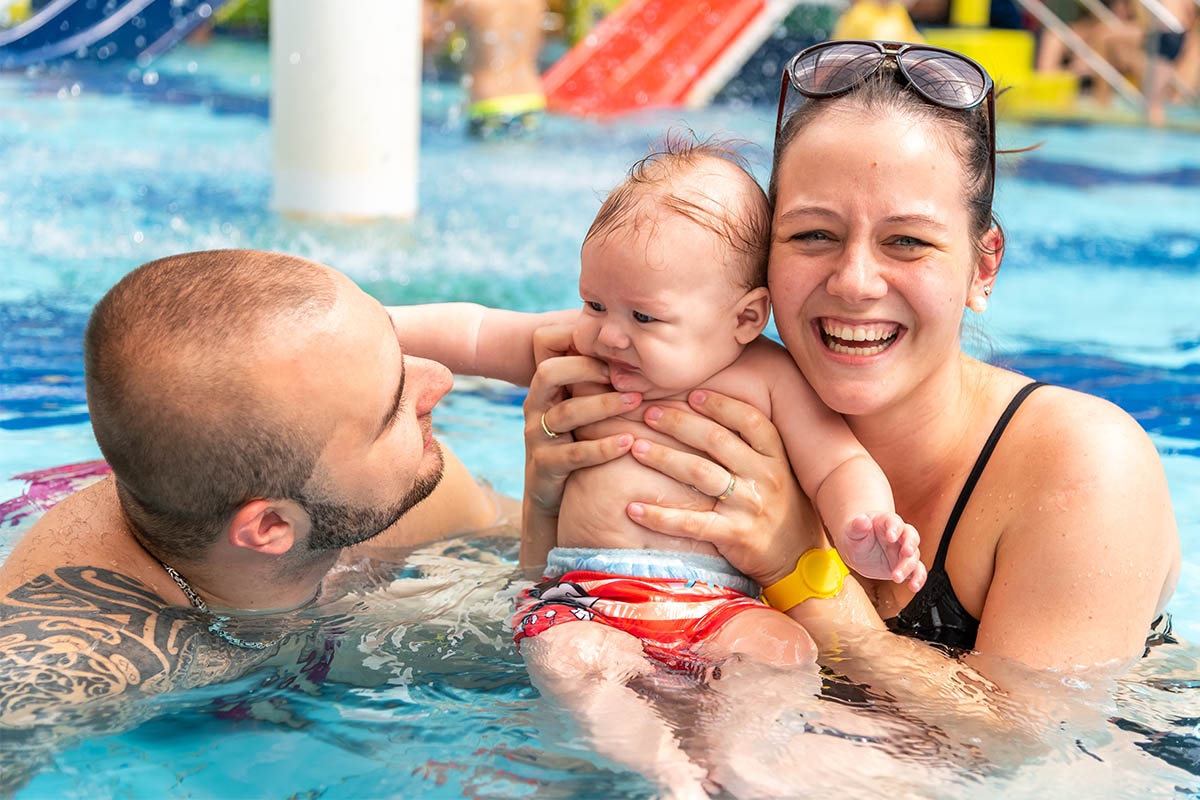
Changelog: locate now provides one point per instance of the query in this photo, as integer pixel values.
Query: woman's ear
(270, 527)
(992, 248)
(753, 312)
(991, 253)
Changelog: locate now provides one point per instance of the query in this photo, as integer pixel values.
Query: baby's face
(658, 306)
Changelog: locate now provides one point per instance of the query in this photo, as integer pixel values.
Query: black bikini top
(935, 614)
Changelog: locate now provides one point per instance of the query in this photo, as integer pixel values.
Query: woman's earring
(979, 304)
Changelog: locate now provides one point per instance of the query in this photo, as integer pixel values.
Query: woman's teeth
(857, 340)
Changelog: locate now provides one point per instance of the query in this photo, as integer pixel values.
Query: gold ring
(546, 428)
(728, 489)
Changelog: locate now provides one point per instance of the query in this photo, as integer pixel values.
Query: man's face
(346, 374)
(336, 526)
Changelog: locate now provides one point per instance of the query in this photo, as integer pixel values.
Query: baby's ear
(753, 311)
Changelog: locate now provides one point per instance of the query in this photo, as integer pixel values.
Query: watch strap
(818, 573)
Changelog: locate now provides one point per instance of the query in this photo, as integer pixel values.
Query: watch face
(823, 571)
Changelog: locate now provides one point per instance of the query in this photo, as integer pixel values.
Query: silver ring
(728, 489)
(551, 434)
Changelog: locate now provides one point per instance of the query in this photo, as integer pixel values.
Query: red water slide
(659, 53)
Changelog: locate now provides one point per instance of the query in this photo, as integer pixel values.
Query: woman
(1058, 552)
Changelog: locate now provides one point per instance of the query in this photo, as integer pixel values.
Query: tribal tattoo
(86, 634)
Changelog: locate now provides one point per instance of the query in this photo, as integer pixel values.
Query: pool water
(102, 169)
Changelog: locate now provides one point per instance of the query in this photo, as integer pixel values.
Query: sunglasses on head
(942, 77)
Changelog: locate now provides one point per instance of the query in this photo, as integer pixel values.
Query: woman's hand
(766, 522)
(551, 451)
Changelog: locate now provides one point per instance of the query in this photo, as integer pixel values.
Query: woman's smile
(857, 338)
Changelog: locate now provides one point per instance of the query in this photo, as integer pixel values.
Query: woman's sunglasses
(942, 77)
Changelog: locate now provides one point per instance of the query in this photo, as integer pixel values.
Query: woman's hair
(174, 405)
(967, 133)
(669, 176)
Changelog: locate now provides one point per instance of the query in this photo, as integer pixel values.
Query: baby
(673, 283)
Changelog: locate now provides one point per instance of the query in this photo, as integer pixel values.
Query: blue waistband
(709, 569)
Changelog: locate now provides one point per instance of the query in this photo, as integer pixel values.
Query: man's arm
(471, 339)
(77, 645)
(81, 613)
(84, 634)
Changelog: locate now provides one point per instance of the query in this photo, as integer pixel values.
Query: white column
(345, 107)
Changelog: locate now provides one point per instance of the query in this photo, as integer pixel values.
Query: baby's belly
(594, 501)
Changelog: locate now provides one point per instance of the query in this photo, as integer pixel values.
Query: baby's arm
(471, 339)
(850, 491)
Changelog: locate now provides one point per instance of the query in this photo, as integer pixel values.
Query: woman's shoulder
(1077, 487)
(1071, 453)
(1071, 425)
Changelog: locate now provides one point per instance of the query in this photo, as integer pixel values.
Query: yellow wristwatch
(818, 573)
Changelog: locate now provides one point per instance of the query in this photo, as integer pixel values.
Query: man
(262, 422)
(503, 40)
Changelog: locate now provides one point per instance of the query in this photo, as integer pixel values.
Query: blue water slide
(101, 30)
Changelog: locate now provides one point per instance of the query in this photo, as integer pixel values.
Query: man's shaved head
(169, 355)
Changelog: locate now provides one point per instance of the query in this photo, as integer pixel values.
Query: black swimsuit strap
(939, 561)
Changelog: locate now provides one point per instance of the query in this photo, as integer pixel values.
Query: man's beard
(336, 526)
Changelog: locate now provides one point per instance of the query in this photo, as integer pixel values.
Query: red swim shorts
(670, 615)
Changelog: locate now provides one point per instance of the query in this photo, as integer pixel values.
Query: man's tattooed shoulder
(85, 634)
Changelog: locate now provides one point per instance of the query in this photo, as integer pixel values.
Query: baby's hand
(881, 545)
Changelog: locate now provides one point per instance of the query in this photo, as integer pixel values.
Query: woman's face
(871, 258)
